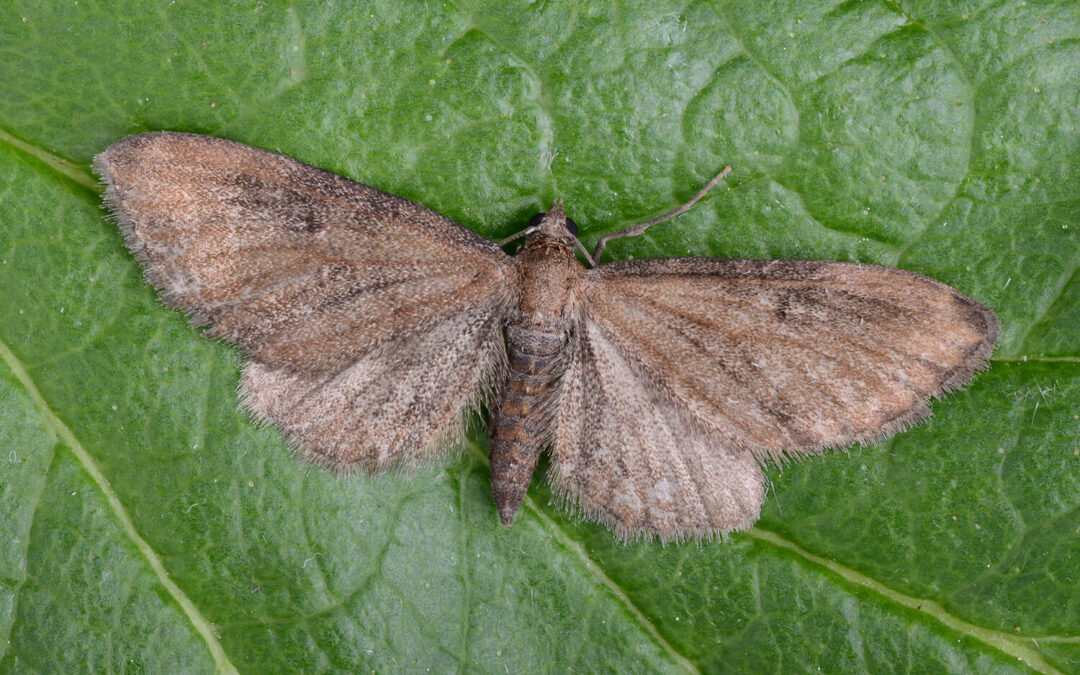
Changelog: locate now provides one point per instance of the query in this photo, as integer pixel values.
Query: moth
(373, 326)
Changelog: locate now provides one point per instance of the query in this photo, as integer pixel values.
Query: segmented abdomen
(520, 423)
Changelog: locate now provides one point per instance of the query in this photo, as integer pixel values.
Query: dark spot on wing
(284, 206)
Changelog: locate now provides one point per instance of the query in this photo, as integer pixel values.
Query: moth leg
(635, 230)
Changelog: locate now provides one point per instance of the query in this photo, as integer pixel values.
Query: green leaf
(149, 526)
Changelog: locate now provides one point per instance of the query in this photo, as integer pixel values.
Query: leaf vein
(997, 640)
(64, 433)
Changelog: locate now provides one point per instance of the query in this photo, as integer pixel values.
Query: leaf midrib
(64, 433)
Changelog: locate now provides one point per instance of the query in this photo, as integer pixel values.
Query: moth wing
(790, 357)
(304, 269)
(714, 364)
(625, 453)
(401, 404)
(373, 323)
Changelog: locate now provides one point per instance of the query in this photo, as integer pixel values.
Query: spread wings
(372, 322)
(301, 267)
(744, 359)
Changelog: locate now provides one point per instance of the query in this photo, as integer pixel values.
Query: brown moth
(373, 325)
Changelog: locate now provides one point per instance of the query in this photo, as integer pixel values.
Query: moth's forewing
(792, 356)
(301, 267)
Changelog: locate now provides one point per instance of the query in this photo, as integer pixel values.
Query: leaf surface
(148, 525)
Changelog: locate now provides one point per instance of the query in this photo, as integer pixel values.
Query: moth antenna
(524, 233)
(584, 252)
(635, 230)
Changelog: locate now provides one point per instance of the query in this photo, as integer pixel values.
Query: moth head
(553, 223)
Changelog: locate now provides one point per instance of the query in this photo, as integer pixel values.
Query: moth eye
(572, 226)
(535, 220)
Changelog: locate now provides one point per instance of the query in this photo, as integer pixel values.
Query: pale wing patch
(625, 455)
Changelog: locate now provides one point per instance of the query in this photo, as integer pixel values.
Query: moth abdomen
(519, 424)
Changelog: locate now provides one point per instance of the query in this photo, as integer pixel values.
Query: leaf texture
(928, 137)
